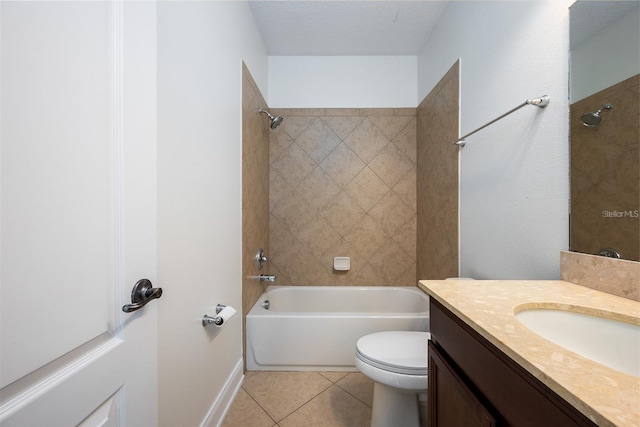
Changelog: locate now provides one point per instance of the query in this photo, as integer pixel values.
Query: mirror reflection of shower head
(593, 119)
(275, 121)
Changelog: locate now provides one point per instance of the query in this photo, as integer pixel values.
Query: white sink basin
(612, 343)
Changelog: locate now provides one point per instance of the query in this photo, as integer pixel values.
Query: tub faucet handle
(267, 277)
(261, 258)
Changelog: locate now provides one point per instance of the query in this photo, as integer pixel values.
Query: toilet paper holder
(209, 320)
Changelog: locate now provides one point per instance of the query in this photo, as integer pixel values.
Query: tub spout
(267, 277)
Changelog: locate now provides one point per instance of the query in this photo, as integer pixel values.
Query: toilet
(397, 362)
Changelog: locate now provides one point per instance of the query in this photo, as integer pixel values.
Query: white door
(78, 213)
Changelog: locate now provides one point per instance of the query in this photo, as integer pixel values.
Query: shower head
(275, 121)
(593, 119)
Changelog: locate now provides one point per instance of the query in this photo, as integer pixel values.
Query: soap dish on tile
(341, 263)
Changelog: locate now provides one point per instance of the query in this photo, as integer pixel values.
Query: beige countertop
(604, 395)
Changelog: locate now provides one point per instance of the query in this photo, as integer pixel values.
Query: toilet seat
(403, 352)
(395, 358)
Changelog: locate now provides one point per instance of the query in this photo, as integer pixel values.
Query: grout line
(259, 405)
(299, 407)
(353, 395)
(326, 390)
(338, 372)
(308, 401)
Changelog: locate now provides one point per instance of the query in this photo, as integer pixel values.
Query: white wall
(606, 58)
(200, 49)
(514, 185)
(342, 81)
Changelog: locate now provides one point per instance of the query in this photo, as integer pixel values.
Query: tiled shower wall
(605, 172)
(437, 181)
(343, 183)
(255, 189)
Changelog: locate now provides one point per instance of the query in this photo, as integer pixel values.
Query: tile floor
(297, 399)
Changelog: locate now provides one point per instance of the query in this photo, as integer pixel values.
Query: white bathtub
(315, 328)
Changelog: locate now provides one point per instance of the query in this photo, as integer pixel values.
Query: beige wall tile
(437, 185)
(342, 164)
(318, 188)
(294, 126)
(255, 189)
(279, 189)
(390, 262)
(368, 276)
(342, 112)
(317, 140)
(366, 140)
(282, 280)
(404, 112)
(318, 237)
(391, 126)
(294, 212)
(342, 213)
(280, 112)
(278, 142)
(408, 278)
(406, 189)
(344, 248)
(308, 112)
(293, 164)
(605, 172)
(322, 190)
(391, 213)
(406, 140)
(366, 189)
(366, 237)
(405, 236)
(343, 125)
(391, 164)
(377, 111)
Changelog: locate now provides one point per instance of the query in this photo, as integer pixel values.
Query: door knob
(143, 292)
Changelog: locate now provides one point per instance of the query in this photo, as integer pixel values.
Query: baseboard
(221, 405)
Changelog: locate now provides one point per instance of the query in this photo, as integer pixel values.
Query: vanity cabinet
(473, 383)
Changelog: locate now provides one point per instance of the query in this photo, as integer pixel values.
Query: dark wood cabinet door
(511, 393)
(452, 403)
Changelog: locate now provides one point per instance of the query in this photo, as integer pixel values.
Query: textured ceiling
(391, 27)
(319, 28)
(589, 17)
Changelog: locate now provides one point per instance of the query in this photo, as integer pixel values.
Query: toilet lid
(403, 352)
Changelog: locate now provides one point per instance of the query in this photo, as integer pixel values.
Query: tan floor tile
(245, 412)
(333, 376)
(281, 393)
(248, 374)
(333, 408)
(358, 385)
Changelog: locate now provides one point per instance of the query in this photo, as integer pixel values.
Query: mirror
(604, 128)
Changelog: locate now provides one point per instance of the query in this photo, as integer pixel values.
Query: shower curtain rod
(541, 102)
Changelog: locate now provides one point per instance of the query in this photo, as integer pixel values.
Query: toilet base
(394, 407)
